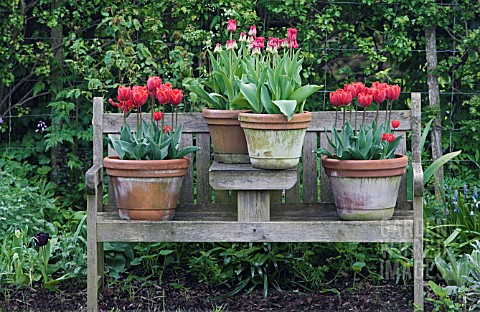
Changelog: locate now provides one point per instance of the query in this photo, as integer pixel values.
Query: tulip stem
(363, 118)
(173, 126)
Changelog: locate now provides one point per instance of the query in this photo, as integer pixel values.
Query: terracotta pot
(228, 139)
(365, 189)
(273, 142)
(146, 189)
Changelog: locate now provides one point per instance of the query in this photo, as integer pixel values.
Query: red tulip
(139, 96)
(153, 83)
(124, 93)
(157, 116)
(378, 95)
(392, 92)
(378, 85)
(395, 123)
(388, 137)
(167, 129)
(125, 106)
(176, 96)
(335, 99)
(346, 97)
(232, 25)
(163, 94)
(365, 99)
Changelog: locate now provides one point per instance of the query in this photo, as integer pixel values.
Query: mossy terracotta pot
(228, 138)
(365, 189)
(146, 189)
(273, 141)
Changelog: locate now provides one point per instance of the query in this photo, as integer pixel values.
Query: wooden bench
(251, 208)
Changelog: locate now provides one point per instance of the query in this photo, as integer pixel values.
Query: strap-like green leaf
(430, 171)
(287, 107)
(304, 92)
(249, 92)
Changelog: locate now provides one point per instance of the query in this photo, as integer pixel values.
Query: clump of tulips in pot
(371, 141)
(152, 140)
(252, 73)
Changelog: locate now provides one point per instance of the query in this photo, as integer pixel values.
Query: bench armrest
(417, 179)
(93, 178)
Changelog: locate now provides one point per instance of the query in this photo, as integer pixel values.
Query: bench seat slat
(398, 229)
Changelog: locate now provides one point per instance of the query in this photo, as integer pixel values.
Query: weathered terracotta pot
(228, 138)
(273, 142)
(365, 189)
(146, 189)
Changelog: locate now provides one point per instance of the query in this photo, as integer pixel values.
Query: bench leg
(253, 206)
(94, 275)
(418, 256)
(95, 255)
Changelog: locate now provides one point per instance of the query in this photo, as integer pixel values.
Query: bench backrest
(313, 186)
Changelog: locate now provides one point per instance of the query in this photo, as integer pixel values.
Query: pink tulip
(232, 25)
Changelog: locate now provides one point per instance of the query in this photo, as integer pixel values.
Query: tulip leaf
(267, 101)
(323, 151)
(304, 92)
(213, 99)
(249, 91)
(115, 143)
(287, 107)
(239, 103)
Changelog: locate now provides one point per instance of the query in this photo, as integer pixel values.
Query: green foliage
(272, 84)
(462, 276)
(22, 264)
(452, 223)
(118, 258)
(151, 143)
(366, 143)
(23, 203)
(241, 266)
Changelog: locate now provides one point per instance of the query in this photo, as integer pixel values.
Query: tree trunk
(57, 47)
(434, 99)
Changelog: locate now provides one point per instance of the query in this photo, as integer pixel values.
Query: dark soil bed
(185, 295)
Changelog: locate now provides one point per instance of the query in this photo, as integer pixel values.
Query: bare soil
(187, 295)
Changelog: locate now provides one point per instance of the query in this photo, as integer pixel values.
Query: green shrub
(24, 203)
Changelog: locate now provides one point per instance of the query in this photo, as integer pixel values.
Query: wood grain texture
(253, 206)
(418, 251)
(93, 178)
(97, 124)
(326, 195)
(309, 168)
(245, 177)
(194, 123)
(187, 191)
(272, 231)
(292, 195)
(204, 195)
(402, 149)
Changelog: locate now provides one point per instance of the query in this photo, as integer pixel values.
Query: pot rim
(299, 121)
(365, 168)
(208, 113)
(115, 162)
(274, 118)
